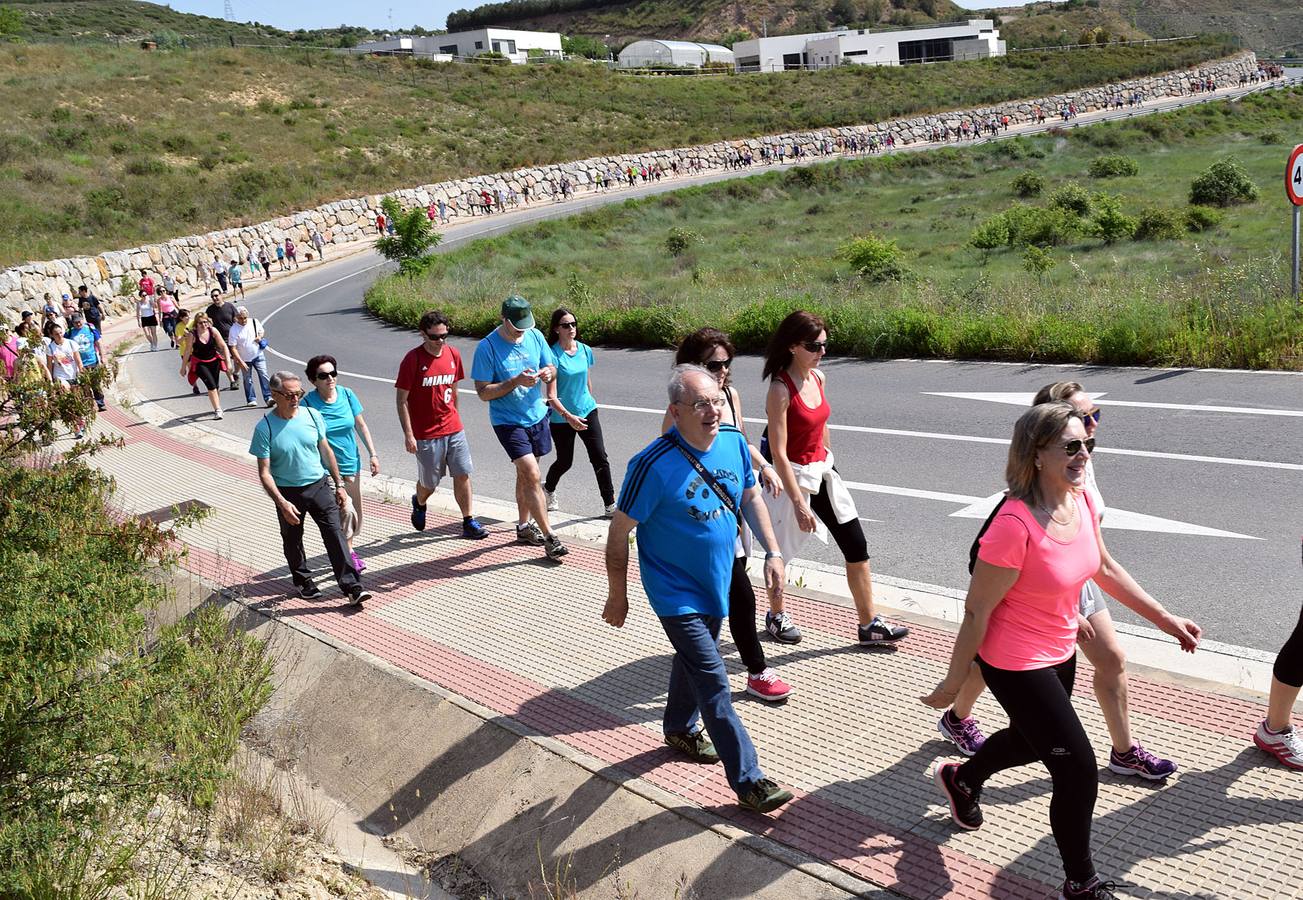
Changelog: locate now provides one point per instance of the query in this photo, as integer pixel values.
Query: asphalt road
(1201, 469)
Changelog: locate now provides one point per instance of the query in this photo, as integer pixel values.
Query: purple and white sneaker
(963, 733)
(358, 565)
(1140, 762)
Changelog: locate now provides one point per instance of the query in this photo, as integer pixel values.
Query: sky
(378, 15)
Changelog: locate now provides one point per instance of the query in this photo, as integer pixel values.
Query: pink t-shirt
(1035, 625)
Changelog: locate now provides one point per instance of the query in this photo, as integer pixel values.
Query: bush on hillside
(1109, 223)
(1158, 224)
(873, 258)
(1038, 226)
(1222, 184)
(1113, 167)
(1028, 184)
(1202, 218)
(1071, 197)
(679, 240)
(991, 235)
(1038, 262)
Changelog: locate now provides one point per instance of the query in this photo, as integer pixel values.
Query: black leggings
(742, 618)
(1044, 726)
(1289, 662)
(563, 438)
(848, 535)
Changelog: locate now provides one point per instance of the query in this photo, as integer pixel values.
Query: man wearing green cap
(512, 368)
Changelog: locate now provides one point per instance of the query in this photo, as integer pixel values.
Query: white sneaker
(252, 403)
(217, 414)
(551, 500)
(1286, 746)
(609, 513)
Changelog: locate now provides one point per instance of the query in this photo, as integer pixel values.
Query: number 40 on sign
(1294, 191)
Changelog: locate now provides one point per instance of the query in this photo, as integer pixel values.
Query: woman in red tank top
(798, 414)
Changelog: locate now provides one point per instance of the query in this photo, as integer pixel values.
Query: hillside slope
(620, 22)
(1273, 26)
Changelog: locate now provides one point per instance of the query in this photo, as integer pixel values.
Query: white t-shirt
(63, 359)
(1093, 489)
(244, 339)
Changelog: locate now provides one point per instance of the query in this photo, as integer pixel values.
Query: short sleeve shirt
(685, 534)
(291, 446)
(1035, 625)
(572, 381)
(431, 385)
(85, 338)
(63, 359)
(497, 360)
(341, 421)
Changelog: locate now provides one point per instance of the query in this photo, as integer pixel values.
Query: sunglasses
(322, 375)
(814, 346)
(290, 395)
(567, 324)
(1072, 448)
(437, 338)
(1092, 416)
(718, 365)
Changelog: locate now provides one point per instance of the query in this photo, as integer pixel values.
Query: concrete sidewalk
(496, 623)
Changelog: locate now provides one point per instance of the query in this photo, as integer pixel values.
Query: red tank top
(805, 425)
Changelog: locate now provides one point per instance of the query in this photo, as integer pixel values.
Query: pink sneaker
(768, 686)
(358, 564)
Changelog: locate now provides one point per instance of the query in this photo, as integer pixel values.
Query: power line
(228, 11)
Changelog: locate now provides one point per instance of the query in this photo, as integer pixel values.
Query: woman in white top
(64, 363)
(147, 318)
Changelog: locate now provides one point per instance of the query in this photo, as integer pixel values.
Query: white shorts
(447, 455)
(1092, 600)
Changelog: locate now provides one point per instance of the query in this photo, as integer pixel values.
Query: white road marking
(1121, 519)
(1015, 398)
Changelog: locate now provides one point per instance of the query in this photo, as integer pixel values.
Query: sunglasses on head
(718, 365)
(1092, 416)
(435, 337)
(323, 374)
(1072, 448)
(814, 346)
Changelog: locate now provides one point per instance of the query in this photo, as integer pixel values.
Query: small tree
(991, 235)
(1223, 184)
(1158, 224)
(11, 22)
(413, 237)
(1072, 197)
(873, 258)
(1028, 184)
(1113, 167)
(1109, 223)
(1038, 262)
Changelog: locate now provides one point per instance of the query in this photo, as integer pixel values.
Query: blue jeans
(699, 686)
(259, 365)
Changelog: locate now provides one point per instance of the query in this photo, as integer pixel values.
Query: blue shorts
(522, 440)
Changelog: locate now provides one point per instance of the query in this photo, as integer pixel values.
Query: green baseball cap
(515, 309)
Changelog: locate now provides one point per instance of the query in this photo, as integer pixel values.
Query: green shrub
(1222, 184)
(147, 165)
(1113, 167)
(1037, 226)
(679, 240)
(1158, 224)
(414, 236)
(1028, 184)
(1038, 262)
(1071, 197)
(991, 235)
(1202, 218)
(1109, 223)
(873, 258)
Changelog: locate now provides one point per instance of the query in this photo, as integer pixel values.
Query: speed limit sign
(1294, 176)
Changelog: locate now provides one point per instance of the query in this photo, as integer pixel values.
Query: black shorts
(149, 321)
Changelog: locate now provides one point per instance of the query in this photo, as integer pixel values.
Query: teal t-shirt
(291, 445)
(498, 360)
(340, 422)
(572, 380)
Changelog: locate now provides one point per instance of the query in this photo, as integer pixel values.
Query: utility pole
(228, 11)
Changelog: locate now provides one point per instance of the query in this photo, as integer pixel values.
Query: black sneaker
(308, 590)
(529, 533)
(781, 628)
(881, 633)
(964, 807)
(1091, 890)
(695, 744)
(553, 547)
(359, 596)
(764, 797)
(418, 515)
(471, 528)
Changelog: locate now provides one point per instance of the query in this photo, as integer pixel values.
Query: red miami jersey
(431, 385)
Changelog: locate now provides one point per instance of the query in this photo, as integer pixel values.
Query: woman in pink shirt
(1020, 625)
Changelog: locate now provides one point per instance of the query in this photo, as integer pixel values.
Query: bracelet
(771, 554)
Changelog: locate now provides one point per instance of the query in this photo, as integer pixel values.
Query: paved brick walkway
(495, 622)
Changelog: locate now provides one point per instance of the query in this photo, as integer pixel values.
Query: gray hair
(279, 379)
(679, 376)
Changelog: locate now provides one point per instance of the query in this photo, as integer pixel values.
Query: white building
(514, 45)
(973, 39)
(653, 54)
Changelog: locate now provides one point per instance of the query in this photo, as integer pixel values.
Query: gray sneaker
(552, 504)
(781, 628)
(553, 547)
(529, 533)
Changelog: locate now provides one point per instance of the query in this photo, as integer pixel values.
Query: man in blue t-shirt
(686, 535)
(87, 340)
(293, 461)
(511, 369)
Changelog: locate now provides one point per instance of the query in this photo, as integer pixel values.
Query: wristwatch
(770, 554)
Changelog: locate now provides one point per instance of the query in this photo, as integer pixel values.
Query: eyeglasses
(702, 406)
(437, 338)
(290, 395)
(567, 324)
(1092, 416)
(718, 365)
(815, 346)
(1072, 448)
(322, 375)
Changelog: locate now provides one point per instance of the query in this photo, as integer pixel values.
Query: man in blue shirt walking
(511, 369)
(684, 492)
(87, 340)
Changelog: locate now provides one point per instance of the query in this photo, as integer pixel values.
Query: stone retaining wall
(345, 221)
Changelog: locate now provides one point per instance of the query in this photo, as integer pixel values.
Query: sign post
(1294, 191)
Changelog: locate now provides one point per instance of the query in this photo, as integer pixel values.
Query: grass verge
(741, 254)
